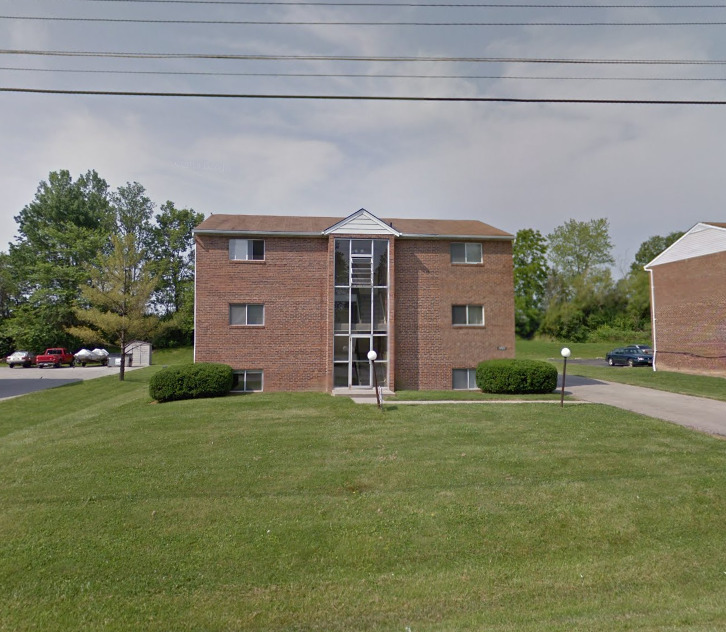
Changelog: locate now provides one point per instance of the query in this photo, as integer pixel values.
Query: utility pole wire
(350, 75)
(483, 5)
(353, 58)
(346, 23)
(323, 97)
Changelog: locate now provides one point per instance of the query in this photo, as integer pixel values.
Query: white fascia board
(460, 237)
(253, 233)
(355, 224)
(702, 239)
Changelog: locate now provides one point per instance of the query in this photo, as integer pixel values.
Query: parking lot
(19, 381)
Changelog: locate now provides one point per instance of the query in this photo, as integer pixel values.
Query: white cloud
(648, 169)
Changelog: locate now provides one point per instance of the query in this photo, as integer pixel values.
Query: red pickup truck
(55, 357)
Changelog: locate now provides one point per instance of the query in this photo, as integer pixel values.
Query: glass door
(360, 365)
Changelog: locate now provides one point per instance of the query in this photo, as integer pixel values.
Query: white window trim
(466, 261)
(246, 250)
(470, 376)
(242, 375)
(468, 319)
(246, 323)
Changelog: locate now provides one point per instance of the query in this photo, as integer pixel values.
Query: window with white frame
(247, 381)
(246, 314)
(466, 252)
(247, 249)
(464, 379)
(471, 315)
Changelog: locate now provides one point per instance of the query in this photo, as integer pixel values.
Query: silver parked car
(23, 358)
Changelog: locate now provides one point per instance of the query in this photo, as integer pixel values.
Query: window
(247, 381)
(467, 315)
(246, 314)
(361, 262)
(247, 249)
(464, 380)
(465, 252)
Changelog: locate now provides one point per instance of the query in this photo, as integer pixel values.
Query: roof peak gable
(362, 222)
(704, 238)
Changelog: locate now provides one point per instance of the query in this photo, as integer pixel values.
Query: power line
(343, 23)
(485, 5)
(327, 97)
(355, 75)
(377, 59)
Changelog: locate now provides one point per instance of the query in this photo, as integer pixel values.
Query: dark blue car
(634, 355)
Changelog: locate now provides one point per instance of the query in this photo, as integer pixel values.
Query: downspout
(194, 348)
(652, 317)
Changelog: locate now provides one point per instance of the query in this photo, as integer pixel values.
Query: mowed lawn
(307, 512)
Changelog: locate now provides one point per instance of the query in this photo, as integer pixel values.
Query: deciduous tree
(173, 255)
(530, 280)
(576, 248)
(113, 308)
(59, 232)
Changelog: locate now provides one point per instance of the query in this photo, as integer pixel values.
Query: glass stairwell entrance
(361, 312)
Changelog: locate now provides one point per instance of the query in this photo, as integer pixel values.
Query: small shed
(140, 353)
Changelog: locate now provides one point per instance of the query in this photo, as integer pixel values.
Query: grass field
(307, 512)
(699, 385)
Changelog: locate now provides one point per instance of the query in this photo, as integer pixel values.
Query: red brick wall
(292, 347)
(690, 314)
(428, 347)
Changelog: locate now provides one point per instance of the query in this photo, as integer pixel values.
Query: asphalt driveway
(19, 381)
(699, 413)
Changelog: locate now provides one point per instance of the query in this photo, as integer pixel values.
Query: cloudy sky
(650, 169)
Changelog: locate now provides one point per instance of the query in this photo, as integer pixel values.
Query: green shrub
(516, 376)
(191, 381)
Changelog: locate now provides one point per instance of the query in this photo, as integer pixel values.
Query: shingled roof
(293, 225)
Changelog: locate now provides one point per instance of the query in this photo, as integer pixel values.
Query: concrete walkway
(699, 413)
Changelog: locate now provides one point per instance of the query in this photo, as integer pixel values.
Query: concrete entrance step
(361, 395)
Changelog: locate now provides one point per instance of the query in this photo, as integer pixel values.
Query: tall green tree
(576, 248)
(173, 255)
(593, 301)
(9, 296)
(133, 211)
(530, 280)
(113, 309)
(59, 232)
(581, 295)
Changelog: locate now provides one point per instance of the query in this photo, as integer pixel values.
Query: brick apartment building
(688, 302)
(296, 303)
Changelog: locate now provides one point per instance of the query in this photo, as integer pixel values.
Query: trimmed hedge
(191, 381)
(516, 376)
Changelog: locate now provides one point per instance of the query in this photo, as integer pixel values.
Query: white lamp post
(565, 353)
(372, 356)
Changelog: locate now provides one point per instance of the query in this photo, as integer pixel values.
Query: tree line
(97, 267)
(564, 288)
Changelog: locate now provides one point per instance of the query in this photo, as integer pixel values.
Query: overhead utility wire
(319, 75)
(324, 97)
(346, 23)
(484, 5)
(353, 58)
